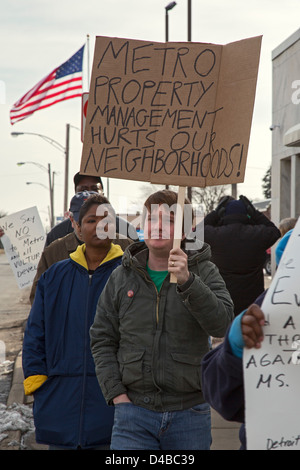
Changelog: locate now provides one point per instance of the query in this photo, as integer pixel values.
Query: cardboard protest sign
(272, 373)
(170, 113)
(23, 242)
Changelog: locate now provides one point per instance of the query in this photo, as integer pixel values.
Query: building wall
(286, 129)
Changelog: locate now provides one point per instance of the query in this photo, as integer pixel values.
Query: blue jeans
(137, 428)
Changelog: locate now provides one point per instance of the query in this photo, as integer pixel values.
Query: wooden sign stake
(178, 224)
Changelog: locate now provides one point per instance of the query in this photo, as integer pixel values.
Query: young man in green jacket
(149, 337)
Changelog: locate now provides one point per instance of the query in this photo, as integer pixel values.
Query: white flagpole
(88, 60)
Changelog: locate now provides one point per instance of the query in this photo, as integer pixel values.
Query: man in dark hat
(85, 183)
(239, 236)
(81, 183)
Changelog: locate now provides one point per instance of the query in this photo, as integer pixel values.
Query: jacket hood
(235, 219)
(137, 252)
(79, 255)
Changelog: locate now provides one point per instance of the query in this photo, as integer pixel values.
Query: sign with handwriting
(170, 113)
(272, 373)
(23, 242)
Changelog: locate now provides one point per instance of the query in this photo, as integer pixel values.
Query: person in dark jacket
(81, 183)
(88, 183)
(222, 367)
(69, 409)
(239, 236)
(149, 336)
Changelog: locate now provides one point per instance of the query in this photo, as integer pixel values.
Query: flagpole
(88, 61)
(66, 169)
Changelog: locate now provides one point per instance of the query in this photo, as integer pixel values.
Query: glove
(220, 209)
(249, 206)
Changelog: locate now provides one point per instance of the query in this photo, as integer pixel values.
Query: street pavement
(14, 310)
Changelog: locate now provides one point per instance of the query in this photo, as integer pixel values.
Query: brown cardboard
(170, 113)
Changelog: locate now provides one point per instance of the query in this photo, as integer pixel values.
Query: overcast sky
(37, 36)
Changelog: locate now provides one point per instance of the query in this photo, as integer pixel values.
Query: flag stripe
(35, 89)
(26, 114)
(40, 96)
(63, 83)
(33, 104)
(57, 85)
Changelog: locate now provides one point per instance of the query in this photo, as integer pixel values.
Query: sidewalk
(225, 434)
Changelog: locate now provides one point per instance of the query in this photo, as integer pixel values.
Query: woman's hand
(123, 398)
(252, 322)
(178, 265)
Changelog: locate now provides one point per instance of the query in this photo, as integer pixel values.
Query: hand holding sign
(252, 322)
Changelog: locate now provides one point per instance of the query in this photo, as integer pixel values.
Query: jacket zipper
(157, 300)
(84, 364)
(157, 293)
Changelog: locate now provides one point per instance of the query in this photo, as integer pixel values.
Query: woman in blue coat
(69, 409)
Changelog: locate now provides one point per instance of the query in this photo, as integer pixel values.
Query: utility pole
(168, 8)
(66, 202)
(189, 28)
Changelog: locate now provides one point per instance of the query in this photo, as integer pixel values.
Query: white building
(285, 129)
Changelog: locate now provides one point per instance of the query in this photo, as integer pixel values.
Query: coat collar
(79, 255)
(137, 253)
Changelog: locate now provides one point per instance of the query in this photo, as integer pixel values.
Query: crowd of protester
(119, 356)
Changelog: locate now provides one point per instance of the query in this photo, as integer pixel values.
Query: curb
(16, 394)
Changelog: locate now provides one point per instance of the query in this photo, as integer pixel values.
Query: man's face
(89, 183)
(159, 229)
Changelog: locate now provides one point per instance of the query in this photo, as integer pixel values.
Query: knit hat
(78, 177)
(77, 201)
(235, 207)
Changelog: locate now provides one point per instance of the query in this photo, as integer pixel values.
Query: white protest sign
(272, 373)
(23, 242)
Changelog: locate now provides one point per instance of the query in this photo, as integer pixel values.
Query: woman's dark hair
(95, 199)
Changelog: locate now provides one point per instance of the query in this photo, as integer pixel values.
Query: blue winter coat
(69, 409)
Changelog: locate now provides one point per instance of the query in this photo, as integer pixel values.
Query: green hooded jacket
(150, 344)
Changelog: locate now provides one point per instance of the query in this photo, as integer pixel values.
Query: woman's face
(159, 229)
(88, 228)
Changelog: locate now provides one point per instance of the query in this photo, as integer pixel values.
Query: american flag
(63, 83)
